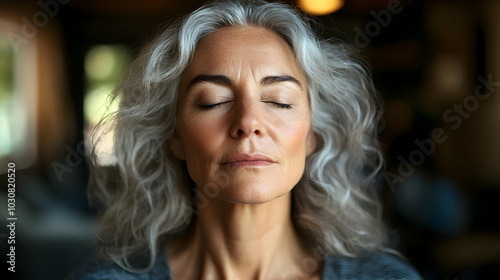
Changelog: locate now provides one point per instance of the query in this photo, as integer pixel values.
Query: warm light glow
(320, 7)
(100, 62)
(104, 65)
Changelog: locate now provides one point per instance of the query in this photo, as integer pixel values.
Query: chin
(251, 194)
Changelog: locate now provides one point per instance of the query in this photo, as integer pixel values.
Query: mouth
(248, 160)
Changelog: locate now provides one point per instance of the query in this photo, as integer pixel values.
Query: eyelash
(210, 106)
(282, 105)
(216, 105)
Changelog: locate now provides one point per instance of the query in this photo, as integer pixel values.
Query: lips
(242, 160)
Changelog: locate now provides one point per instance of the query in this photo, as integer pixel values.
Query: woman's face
(243, 116)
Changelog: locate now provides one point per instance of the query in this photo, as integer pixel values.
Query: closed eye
(212, 106)
(217, 105)
(281, 105)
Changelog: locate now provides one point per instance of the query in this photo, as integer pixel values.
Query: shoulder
(98, 269)
(373, 266)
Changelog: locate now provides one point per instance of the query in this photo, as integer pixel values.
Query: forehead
(242, 49)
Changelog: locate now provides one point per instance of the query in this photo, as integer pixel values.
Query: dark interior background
(435, 63)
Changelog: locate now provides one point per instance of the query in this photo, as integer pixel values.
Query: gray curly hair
(335, 205)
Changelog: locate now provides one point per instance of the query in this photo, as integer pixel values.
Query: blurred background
(435, 64)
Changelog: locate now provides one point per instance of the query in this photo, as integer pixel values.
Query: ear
(310, 142)
(176, 146)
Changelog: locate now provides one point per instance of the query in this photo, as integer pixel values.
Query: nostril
(241, 132)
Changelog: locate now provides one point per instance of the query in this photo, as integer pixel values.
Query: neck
(243, 241)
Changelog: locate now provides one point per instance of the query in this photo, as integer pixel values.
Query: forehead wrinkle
(263, 70)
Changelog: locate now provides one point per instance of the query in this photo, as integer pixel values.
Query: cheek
(202, 135)
(203, 138)
(293, 139)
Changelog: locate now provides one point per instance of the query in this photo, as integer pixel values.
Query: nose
(248, 119)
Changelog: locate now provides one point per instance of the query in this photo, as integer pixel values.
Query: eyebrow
(216, 79)
(280, 78)
(224, 80)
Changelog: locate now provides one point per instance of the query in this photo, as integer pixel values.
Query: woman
(246, 149)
